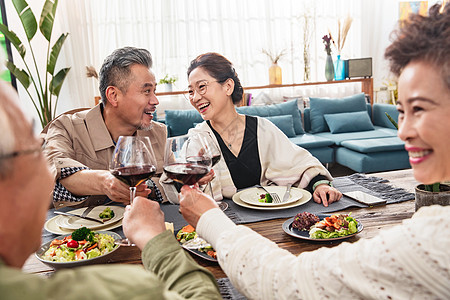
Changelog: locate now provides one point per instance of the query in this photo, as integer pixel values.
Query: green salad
(333, 227)
(86, 244)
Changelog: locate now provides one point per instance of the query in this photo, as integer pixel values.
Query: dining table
(373, 218)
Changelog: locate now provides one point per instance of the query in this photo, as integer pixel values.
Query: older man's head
(25, 183)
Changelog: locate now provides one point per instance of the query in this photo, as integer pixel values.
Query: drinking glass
(184, 161)
(211, 148)
(133, 162)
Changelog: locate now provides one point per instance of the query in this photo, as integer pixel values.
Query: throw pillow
(321, 106)
(284, 123)
(349, 122)
(285, 108)
(180, 121)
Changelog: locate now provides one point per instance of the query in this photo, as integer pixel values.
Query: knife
(287, 193)
(79, 216)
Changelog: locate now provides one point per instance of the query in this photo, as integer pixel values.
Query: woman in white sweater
(254, 151)
(410, 261)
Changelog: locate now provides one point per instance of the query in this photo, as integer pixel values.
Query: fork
(275, 197)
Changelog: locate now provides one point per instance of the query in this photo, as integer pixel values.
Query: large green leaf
(21, 75)
(55, 53)
(12, 37)
(48, 18)
(26, 17)
(57, 81)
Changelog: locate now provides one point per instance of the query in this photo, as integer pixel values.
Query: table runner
(356, 182)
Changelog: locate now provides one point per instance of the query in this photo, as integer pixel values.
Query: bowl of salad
(81, 247)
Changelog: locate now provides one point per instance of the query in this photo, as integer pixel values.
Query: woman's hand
(193, 203)
(207, 178)
(143, 221)
(326, 194)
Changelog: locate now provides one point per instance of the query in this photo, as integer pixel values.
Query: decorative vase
(339, 69)
(329, 68)
(275, 74)
(425, 198)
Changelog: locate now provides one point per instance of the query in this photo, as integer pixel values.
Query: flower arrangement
(342, 33)
(168, 80)
(327, 42)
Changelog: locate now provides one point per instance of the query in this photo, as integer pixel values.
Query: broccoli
(106, 214)
(83, 233)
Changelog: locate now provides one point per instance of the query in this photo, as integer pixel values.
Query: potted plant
(429, 194)
(168, 81)
(47, 85)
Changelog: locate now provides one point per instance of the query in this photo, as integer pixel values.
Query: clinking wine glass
(184, 162)
(133, 162)
(211, 148)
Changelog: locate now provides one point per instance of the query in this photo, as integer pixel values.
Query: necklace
(227, 143)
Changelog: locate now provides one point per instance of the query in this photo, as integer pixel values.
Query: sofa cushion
(180, 121)
(338, 138)
(348, 122)
(284, 123)
(309, 141)
(321, 106)
(285, 108)
(375, 145)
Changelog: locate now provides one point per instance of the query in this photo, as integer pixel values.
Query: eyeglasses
(201, 89)
(21, 152)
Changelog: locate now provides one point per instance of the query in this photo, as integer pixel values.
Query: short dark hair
(221, 69)
(115, 70)
(425, 38)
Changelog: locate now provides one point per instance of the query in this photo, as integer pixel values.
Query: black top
(245, 169)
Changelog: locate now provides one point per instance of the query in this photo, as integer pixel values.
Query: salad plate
(73, 223)
(253, 195)
(52, 227)
(193, 242)
(306, 196)
(70, 264)
(304, 234)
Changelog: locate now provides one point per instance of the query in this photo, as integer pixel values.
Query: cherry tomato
(72, 244)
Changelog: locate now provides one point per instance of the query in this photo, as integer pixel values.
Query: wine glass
(212, 149)
(184, 161)
(133, 162)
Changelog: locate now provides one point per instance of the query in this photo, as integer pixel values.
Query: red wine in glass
(215, 159)
(186, 173)
(134, 175)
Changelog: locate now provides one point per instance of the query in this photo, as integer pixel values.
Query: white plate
(305, 198)
(52, 227)
(67, 222)
(252, 195)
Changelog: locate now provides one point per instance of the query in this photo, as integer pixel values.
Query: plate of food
(306, 196)
(322, 227)
(81, 247)
(257, 196)
(191, 242)
(109, 215)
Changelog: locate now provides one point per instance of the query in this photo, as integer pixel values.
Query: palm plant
(47, 85)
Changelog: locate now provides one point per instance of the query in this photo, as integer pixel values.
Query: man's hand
(143, 221)
(118, 191)
(193, 203)
(326, 194)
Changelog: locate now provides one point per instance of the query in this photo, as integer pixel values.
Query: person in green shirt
(25, 195)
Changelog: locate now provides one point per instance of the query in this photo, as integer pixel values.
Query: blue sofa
(347, 131)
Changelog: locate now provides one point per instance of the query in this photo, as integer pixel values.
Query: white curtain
(176, 31)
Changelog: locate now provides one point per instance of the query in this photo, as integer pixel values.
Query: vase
(339, 69)
(275, 74)
(329, 68)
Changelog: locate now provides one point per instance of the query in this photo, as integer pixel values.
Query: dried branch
(274, 57)
(91, 72)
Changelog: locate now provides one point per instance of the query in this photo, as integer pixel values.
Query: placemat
(356, 182)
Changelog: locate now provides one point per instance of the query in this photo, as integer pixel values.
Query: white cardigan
(282, 161)
(410, 261)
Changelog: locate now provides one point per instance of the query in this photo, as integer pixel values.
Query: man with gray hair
(25, 186)
(80, 146)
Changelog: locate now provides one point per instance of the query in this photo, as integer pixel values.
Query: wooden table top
(374, 219)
